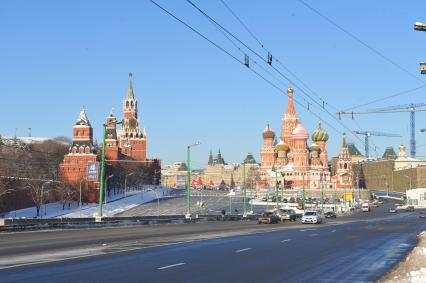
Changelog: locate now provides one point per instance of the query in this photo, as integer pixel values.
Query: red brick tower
(73, 170)
(112, 151)
(132, 140)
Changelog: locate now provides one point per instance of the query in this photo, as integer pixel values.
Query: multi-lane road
(360, 248)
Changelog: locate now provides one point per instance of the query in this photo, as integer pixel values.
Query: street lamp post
(276, 187)
(335, 208)
(322, 194)
(244, 190)
(303, 191)
(41, 199)
(125, 182)
(158, 200)
(188, 179)
(80, 204)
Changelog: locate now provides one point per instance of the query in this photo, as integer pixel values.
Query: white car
(312, 217)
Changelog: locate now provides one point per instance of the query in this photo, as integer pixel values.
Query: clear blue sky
(56, 56)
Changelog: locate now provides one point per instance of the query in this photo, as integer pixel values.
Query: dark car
(287, 214)
(268, 218)
(330, 214)
(410, 208)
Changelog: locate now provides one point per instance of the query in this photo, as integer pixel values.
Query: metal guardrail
(56, 223)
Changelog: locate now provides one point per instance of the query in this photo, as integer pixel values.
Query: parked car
(287, 214)
(410, 208)
(312, 217)
(393, 210)
(268, 218)
(330, 214)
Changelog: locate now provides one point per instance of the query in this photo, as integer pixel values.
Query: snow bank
(413, 268)
(115, 204)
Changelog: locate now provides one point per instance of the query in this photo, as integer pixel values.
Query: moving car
(330, 214)
(268, 218)
(410, 208)
(393, 210)
(287, 214)
(422, 214)
(312, 217)
(365, 207)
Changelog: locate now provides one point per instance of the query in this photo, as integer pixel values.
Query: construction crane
(412, 108)
(368, 134)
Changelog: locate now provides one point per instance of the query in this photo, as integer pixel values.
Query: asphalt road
(360, 248)
(214, 203)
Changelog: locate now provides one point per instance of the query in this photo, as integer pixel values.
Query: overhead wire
(278, 71)
(275, 58)
(354, 37)
(296, 77)
(236, 59)
(385, 98)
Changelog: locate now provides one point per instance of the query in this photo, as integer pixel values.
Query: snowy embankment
(116, 204)
(413, 268)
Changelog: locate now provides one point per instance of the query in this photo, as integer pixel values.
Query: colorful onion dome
(282, 146)
(314, 147)
(300, 133)
(319, 134)
(268, 133)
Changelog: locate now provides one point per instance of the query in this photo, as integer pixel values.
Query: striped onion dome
(319, 134)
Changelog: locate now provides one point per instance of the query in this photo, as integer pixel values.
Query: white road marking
(333, 231)
(243, 250)
(286, 240)
(313, 235)
(170, 266)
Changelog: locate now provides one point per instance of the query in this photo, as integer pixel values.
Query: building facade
(125, 149)
(81, 153)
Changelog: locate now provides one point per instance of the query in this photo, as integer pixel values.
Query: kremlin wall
(125, 151)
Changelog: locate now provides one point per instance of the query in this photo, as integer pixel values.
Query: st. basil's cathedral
(300, 165)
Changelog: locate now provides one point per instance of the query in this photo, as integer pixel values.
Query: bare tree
(38, 191)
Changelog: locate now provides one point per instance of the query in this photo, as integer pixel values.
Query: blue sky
(59, 55)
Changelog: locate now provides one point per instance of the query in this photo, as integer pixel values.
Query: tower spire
(290, 111)
(344, 140)
(130, 94)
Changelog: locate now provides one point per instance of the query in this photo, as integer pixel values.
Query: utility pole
(188, 179)
(303, 191)
(244, 189)
(101, 189)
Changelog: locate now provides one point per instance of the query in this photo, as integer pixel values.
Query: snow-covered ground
(413, 268)
(115, 204)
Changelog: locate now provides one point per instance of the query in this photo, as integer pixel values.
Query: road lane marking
(172, 265)
(243, 250)
(313, 235)
(286, 240)
(333, 231)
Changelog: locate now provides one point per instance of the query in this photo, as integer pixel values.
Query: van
(365, 207)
